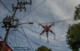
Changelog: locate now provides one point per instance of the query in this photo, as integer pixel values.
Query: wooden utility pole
(20, 6)
(5, 38)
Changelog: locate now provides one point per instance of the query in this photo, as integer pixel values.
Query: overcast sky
(41, 11)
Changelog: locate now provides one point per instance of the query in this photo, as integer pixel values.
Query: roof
(6, 47)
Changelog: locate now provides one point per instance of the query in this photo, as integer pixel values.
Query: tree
(43, 48)
(77, 13)
(73, 37)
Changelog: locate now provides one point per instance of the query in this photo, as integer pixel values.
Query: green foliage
(73, 36)
(43, 48)
(77, 13)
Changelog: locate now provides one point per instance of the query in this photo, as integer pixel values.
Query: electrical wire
(30, 39)
(36, 7)
(26, 36)
(45, 22)
(48, 22)
(36, 42)
(11, 12)
(15, 37)
(32, 11)
(5, 6)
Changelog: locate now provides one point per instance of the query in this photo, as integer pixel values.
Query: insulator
(30, 2)
(9, 22)
(21, 5)
(30, 22)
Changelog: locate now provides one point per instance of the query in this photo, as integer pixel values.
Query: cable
(15, 37)
(11, 12)
(5, 6)
(26, 36)
(36, 7)
(48, 22)
(32, 40)
(36, 42)
(31, 12)
(29, 38)
(65, 20)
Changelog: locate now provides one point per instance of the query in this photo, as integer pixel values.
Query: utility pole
(8, 22)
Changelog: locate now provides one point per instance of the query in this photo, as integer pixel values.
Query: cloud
(44, 11)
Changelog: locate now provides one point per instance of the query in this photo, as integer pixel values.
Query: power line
(10, 20)
(5, 6)
(31, 12)
(36, 42)
(36, 7)
(26, 36)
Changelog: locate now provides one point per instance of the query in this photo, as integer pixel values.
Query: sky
(42, 11)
